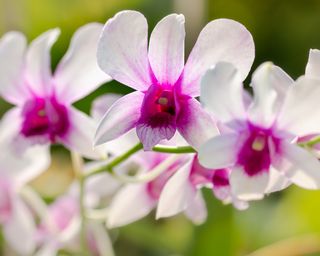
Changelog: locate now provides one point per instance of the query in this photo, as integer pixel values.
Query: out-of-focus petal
(38, 63)
(122, 49)
(102, 239)
(49, 249)
(166, 49)
(102, 104)
(102, 184)
(79, 137)
(130, 204)
(12, 52)
(270, 85)
(197, 210)
(300, 166)
(19, 231)
(120, 118)
(78, 73)
(221, 40)
(246, 187)
(21, 165)
(313, 66)
(177, 194)
(222, 92)
(195, 124)
(219, 152)
(277, 181)
(298, 114)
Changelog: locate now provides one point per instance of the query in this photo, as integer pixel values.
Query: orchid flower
(43, 112)
(259, 144)
(16, 218)
(166, 88)
(60, 228)
(312, 71)
(183, 189)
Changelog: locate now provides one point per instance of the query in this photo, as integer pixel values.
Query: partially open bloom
(257, 141)
(43, 112)
(166, 87)
(183, 189)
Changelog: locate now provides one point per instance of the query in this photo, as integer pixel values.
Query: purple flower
(258, 139)
(43, 112)
(166, 87)
(16, 218)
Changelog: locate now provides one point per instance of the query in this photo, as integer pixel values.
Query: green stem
(116, 161)
(174, 150)
(314, 141)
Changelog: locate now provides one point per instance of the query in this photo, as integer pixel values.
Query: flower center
(44, 117)
(165, 102)
(200, 175)
(5, 202)
(159, 106)
(254, 155)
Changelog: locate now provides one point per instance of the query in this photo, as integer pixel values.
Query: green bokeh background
(283, 31)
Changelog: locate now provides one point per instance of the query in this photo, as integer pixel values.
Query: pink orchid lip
(159, 112)
(200, 175)
(220, 178)
(5, 201)
(255, 155)
(158, 106)
(44, 117)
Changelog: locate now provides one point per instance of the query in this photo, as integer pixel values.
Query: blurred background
(285, 223)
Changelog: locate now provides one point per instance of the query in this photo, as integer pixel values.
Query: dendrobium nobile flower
(257, 141)
(166, 87)
(43, 112)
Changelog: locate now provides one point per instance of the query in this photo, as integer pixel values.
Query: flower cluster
(157, 147)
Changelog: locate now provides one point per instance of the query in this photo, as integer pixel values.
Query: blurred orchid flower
(312, 71)
(134, 201)
(16, 171)
(166, 88)
(182, 191)
(43, 112)
(259, 146)
(60, 228)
